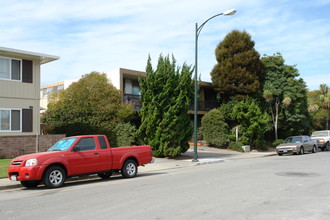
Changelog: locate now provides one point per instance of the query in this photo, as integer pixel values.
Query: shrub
(214, 128)
(236, 146)
(125, 134)
(253, 122)
(260, 144)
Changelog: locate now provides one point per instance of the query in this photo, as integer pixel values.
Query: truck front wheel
(54, 177)
(129, 169)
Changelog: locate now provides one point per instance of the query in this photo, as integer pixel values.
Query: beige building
(125, 80)
(20, 91)
(47, 90)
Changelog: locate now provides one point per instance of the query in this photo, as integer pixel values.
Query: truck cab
(76, 156)
(322, 138)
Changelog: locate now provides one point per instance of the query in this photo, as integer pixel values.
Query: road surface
(287, 187)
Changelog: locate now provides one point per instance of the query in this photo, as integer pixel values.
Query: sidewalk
(206, 155)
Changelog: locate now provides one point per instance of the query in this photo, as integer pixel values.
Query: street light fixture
(198, 30)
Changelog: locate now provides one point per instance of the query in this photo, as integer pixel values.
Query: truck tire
(327, 146)
(30, 184)
(129, 169)
(301, 151)
(54, 177)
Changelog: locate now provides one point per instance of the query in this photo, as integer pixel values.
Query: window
(10, 120)
(128, 86)
(86, 144)
(45, 92)
(10, 69)
(102, 142)
(132, 87)
(27, 120)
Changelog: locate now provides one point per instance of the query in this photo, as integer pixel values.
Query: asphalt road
(287, 187)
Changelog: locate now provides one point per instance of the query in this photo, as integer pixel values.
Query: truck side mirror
(76, 148)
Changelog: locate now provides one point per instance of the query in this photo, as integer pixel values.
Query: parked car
(297, 145)
(322, 138)
(76, 156)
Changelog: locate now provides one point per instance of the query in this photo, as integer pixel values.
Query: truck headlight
(31, 162)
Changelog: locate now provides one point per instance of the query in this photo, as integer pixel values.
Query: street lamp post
(197, 32)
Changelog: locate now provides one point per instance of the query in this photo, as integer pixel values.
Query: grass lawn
(4, 163)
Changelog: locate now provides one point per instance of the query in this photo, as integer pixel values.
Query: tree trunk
(276, 117)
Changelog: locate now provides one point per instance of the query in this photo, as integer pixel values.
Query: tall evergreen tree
(166, 95)
(239, 71)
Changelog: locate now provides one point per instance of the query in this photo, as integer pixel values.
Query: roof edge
(44, 58)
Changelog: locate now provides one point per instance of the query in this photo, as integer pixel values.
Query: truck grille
(17, 163)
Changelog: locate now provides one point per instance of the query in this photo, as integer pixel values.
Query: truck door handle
(96, 153)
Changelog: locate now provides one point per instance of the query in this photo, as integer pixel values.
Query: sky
(105, 35)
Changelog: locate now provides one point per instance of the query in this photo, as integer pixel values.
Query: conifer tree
(166, 94)
(239, 71)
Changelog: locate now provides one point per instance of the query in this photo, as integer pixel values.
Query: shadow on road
(92, 179)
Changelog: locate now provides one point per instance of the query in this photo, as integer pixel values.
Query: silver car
(297, 145)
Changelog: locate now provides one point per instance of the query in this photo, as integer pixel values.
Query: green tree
(214, 128)
(252, 121)
(325, 102)
(125, 134)
(319, 107)
(296, 115)
(239, 71)
(91, 105)
(286, 96)
(166, 94)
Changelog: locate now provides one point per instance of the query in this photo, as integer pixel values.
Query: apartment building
(20, 91)
(126, 81)
(47, 90)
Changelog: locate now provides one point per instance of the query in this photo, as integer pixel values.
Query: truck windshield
(63, 144)
(320, 134)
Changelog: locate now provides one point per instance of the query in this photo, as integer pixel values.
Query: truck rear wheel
(129, 169)
(54, 177)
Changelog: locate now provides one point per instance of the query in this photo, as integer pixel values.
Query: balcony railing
(206, 105)
(136, 102)
(133, 100)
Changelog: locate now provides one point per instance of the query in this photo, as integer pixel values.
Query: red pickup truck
(76, 156)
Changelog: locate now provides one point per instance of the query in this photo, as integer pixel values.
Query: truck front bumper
(17, 173)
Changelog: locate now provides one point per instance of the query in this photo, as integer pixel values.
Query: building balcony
(133, 100)
(205, 106)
